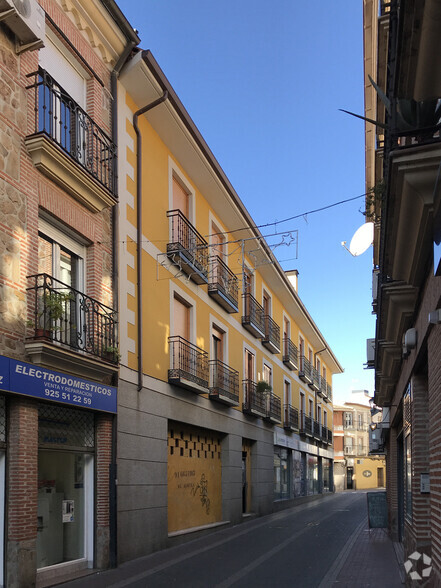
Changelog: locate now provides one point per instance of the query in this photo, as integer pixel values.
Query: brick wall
(21, 493)
(434, 396)
(417, 536)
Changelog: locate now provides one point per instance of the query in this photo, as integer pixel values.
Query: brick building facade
(403, 155)
(58, 326)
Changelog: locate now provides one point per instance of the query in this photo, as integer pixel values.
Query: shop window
(65, 486)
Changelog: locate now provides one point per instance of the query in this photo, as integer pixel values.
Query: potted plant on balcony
(111, 353)
(52, 310)
(263, 387)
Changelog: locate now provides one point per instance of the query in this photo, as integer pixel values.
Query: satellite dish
(362, 239)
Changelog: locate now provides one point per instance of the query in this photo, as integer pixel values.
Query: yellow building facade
(225, 398)
(356, 467)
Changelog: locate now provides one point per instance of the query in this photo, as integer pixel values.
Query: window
(286, 328)
(60, 256)
(180, 198)
(319, 414)
(267, 374)
(218, 240)
(311, 408)
(302, 403)
(325, 418)
(287, 392)
(348, 420)
(360, 422)
(249, 365)
(248, 281)
(266, 303)
(217, 344)
(181, 318)
(301, 346)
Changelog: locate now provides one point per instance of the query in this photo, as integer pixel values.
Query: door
(380, 477)
(349, 478)
(244, 482)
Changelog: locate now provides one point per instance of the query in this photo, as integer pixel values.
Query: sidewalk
(368, 559)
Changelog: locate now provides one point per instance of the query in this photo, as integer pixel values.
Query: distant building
(355, 468)
(402, 48)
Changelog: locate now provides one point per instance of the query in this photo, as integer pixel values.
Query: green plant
(54, 307)
(263, 387)
(113, 352)
(374, 199)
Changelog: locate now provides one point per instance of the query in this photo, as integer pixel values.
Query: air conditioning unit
(26, 19)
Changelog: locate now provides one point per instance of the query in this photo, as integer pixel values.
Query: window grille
(61, 428)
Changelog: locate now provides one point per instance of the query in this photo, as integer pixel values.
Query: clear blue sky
(263, 81)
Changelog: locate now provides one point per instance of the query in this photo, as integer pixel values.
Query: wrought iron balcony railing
(59, 117)
(329, 436)
(305, 424)
(315, 385)
(328, 396)
(324, 434)
(188, 365)
(291, 418)
(273, 407)
(223, 285)
(323, 387)
(61, 314)
(271, 339)
(305, 370)
(224, 383)
(290, 354)
(254, 402)
(187, 248)
(316, 429)
(253, 316)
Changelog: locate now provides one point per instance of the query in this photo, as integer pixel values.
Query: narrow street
(301, 546)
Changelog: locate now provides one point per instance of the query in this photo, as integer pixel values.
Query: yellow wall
(362, 482)
(158, 281)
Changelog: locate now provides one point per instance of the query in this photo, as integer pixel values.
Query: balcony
(70, 330)
(315, 385)
(324, 435)
(349, 450)
(291, 418)
(271, 339)
(290, 354)
(316, 430)
(254, 402)
(323, 391)
(253, 318)
(328, 396)
(69, 147)
(223, 285)
(330, 437)
(224, 383)
(273, 408)
(189, 365)
(305, 370)
(305, 425)
(187, 248)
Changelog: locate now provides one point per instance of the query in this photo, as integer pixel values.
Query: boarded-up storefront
(194, 477)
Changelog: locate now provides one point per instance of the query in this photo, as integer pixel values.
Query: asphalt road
(293, 548)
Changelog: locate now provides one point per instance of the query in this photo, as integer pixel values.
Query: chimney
(293, 276)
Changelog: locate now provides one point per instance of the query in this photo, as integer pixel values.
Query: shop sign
(38, 382)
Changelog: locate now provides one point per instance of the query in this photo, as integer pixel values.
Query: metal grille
(60, 427)
(2, 420)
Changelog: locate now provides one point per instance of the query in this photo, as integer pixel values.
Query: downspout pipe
(137, 114)
(113, 475)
